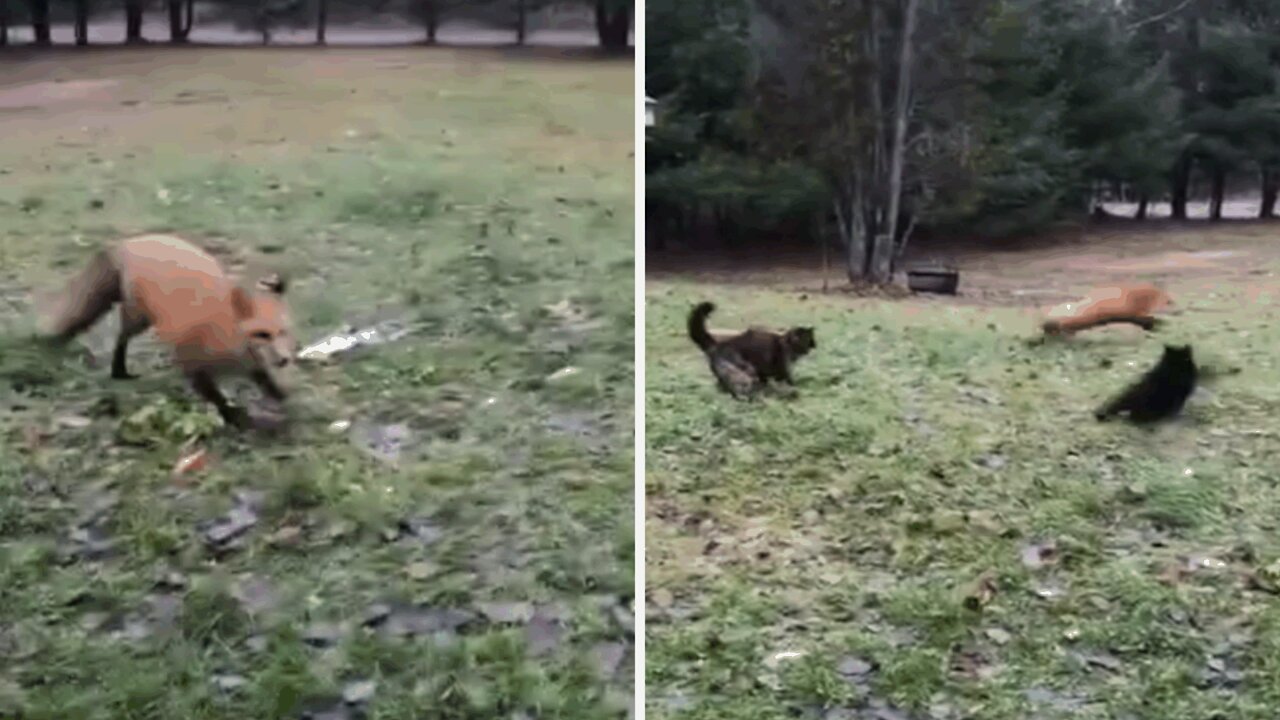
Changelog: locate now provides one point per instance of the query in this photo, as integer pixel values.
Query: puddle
(350, 339)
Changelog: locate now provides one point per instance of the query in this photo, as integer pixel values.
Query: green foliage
(1070, 103)
(1235, 118)
(756, 194)
(1022, 108)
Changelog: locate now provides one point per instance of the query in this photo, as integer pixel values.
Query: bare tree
(882, 267)
(82, 22)
(133, 10)
(40, 22)
(1270, 186)
(431, 18)
(180, 20)
(613, 23)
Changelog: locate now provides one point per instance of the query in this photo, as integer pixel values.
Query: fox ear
(241, 303)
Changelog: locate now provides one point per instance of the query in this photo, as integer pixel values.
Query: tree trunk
(176, 32)
(82, 22)
(431, 16)
(900, 247)
(1270, 188)
(853, 233)
(612, 27)
(1219, 191)
(189, 19)
(40, 22)
(133, 21)
(882, 267)
(4, 22)
(1143, 201)
(322, 20)
(521, 22)
(1180, 186)
(825, 239)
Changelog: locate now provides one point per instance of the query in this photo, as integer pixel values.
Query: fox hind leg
(132, 323)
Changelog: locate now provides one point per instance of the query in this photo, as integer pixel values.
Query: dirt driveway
(1192, 257)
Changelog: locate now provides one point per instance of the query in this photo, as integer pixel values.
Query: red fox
(1111, 304)
(214, 325)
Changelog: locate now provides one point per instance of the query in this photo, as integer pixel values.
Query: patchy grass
(936, 527)
(486, 571)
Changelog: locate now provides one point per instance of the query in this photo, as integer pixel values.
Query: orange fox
(214, 325)
(1131, 303)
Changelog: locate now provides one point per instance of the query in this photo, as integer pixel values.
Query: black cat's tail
(698, 326)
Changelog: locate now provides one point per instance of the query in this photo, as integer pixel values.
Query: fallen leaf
(409, 622)
(220, 533)
(172, 580)
(287, 536)
(192, 463)
(985, 521)
(383, 442)
(607, 657)
(506, 612)
(1266, 579)
(970, 663)
(562, 373)
(999, 636)
(419, 570)
(1044, 696)
(994, 461)
(543, 634)
(982, 592)
(625, 617)
(1099, 660)
(1038, 555)
(359, 692)
(1050, 592)
(256, 595)
(322, 634)
(854, 667)
(229, 683)
(947, 521)
(375, 615)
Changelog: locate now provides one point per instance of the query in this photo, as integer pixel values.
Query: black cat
(1160, 393)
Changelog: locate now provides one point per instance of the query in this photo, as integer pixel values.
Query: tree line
(865, 121)
(612, 17)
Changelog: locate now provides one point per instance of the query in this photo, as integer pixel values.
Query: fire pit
(938, 280)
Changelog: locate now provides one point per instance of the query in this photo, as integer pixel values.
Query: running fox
(215, 326)
(1112, 304)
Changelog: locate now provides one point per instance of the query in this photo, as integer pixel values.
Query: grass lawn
(937, 528)
(463, 549)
